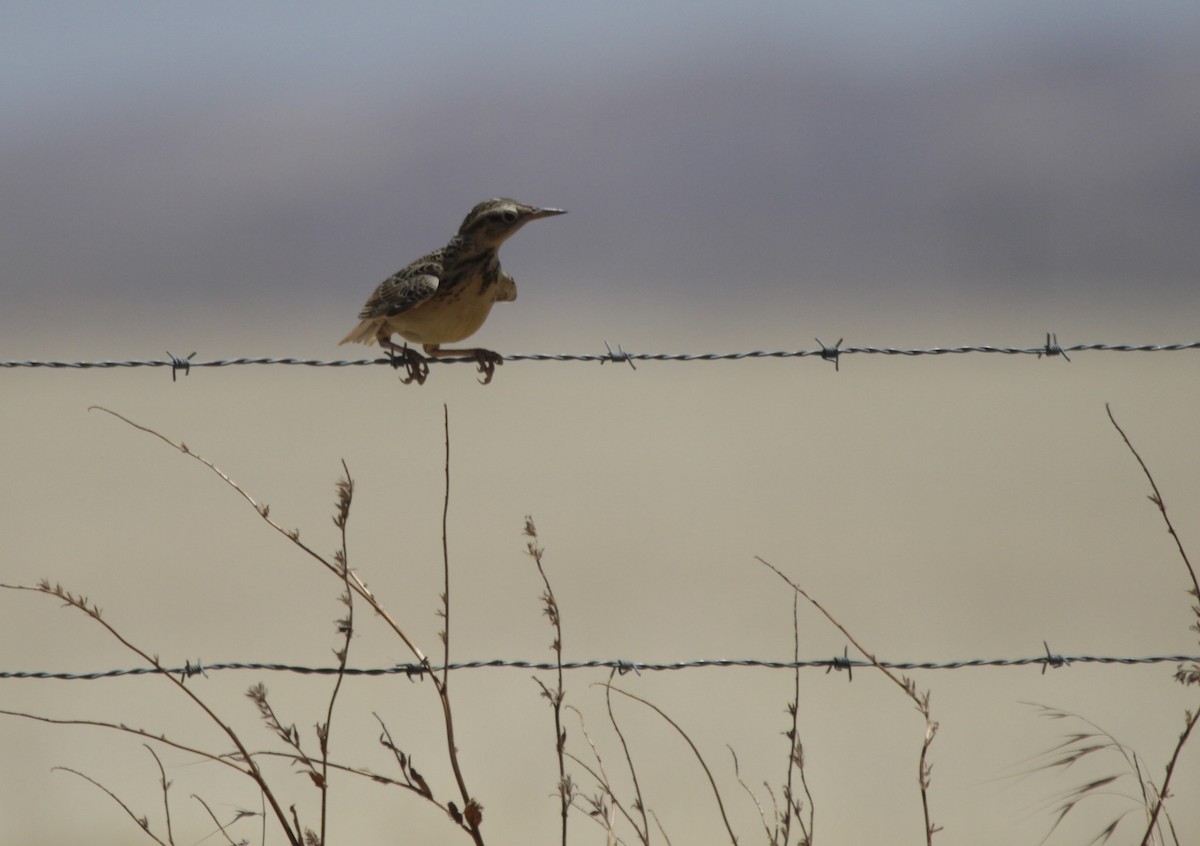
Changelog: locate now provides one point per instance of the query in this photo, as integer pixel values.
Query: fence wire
(832, 353)
(827, 352)
(1047, 661)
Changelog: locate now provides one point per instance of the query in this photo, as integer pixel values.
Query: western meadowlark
(446, 296)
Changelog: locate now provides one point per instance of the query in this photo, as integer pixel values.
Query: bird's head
(492, 222)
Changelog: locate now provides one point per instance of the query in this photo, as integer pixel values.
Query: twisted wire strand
(829, 353)
(826, 352)
(623, 666)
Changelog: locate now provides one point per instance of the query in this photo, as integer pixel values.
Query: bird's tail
(364, 333)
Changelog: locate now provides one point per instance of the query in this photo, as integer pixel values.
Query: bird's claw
(415, 364)
(488, 362)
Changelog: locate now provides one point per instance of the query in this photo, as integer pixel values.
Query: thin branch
(772, 837)
(80, 603)
(556, 696)
(792, 806)
(905, 684)
(1160, 503)
(223, 827)
(601, 777)
(639, 804)
(264, 511)
(345, 496)
(445, 612)
(1157, 499)
(1165, 791)
(661, 830)
(257, 693)
(224, 760)
(695, 751)
(472, 813)
(166, 787)
(142, 822)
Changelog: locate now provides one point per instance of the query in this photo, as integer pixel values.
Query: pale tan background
(235, 182)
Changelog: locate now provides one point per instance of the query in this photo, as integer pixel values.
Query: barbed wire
(1049, 660)
(832, 353)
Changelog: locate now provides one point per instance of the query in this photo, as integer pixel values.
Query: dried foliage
(584, 784)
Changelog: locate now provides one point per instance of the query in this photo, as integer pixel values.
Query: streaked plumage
(446, 296)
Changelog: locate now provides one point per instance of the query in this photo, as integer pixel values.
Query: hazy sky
(224, 154)
(72, 54)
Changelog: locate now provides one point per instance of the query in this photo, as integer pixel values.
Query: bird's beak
(538, 213)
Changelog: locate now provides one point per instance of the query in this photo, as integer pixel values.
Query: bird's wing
(506, 289)
(405, 290)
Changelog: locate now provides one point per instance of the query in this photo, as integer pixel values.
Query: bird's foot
(415, 364)
(488, 362)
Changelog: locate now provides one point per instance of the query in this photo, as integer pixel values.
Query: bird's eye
(508, 216)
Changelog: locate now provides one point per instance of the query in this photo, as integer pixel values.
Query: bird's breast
(460, 306)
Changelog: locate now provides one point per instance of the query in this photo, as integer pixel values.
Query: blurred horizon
(174, 159)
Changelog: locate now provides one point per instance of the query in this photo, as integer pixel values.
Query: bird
(445, 296)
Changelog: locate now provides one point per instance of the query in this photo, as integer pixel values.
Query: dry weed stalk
(224, 827)
(779, 831)
(793, 807)
(639, 804)
(1091, 744)
(242, 761)
(471, 816)
(1095, 741)
(143, 822)
(345, 626)
(691, 744)
(566, 787)
(921, 700)
(318, 768)
(1184, 675)
(603, 807)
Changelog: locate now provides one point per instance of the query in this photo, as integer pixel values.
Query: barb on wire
(1053, 660)
(835, 353)
(190, 669)
(845, 662)
(177, 364)
(622, 666)
(619, 355)
(1052, 347)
